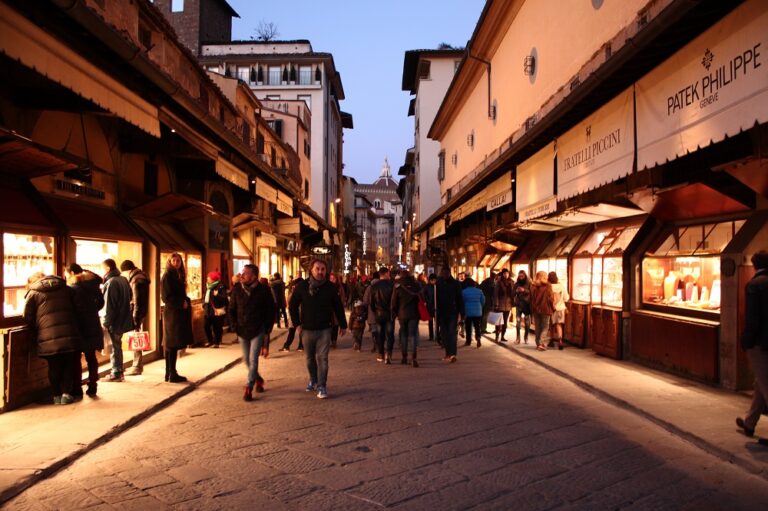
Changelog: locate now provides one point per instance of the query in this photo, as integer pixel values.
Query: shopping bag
(136, 341)
(495, 318)
(219, 311)
(423, 311)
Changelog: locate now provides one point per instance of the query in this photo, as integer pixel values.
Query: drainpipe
(488, 67)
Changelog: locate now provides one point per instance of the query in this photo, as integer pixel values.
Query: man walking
(380, 304)
(117, 314)
(139, 283)
(277, 286)
(449, 304)
(312, 307)
(251, 316)
(291, 327)
(754, 341)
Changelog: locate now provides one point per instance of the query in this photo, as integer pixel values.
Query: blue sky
(368, 40)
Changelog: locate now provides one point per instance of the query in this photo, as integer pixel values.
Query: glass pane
(305, 75)
(612, 281)
(23, 255)
(582, 279)
(561, 268)
(553, 246)
(592, 243)
(275, 75)
(91, 253)
(597, 279)
(569, 245)
(517, 268)
(688, 282)
(718, 237)
(624, 238)
(194, 276)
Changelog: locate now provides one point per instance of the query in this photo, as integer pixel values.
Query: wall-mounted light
(529, 65)
(337, 200)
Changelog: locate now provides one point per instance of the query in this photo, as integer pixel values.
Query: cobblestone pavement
(492, 431)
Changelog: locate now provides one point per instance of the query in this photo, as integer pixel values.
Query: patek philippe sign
(599, 150)
(716, 86)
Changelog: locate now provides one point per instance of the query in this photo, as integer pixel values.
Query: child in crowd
(357, 323)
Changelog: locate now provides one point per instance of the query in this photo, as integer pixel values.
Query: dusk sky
(368, 40)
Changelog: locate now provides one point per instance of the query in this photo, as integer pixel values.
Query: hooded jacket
(88, 302)
(50, 313)
(139, 283)
(117, 299)
(542, 298)
(405, 300)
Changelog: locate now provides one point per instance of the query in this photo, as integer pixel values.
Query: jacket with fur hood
(88, 302)
(139, 296)
(50, 313)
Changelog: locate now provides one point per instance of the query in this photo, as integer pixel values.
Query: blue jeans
(116, 357)
(386, 329)
(409, 329)
(316, 346)
(251, 350)
(448, 333)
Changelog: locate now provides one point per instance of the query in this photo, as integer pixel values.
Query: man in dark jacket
(405, 307)
(430, 297)
(88, 300)
(50, 314)
(277, 286)
(487, 287)
(298, 281)
(117, 314)
(251, 316)
(139, 283)
(449, 305)
(380, 305)
(754, 341)
(312, 305)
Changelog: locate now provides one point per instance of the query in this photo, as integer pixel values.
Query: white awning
(536, 178)
(266, 191)
(437, 229)
(27, 43)
(231, 173)
(713, 88)
(499, 193)
(308, 221)
(284, 203)
(598, 150)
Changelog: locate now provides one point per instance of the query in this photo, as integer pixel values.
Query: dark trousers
(484, 319)
(448, 334)
(281, 313)
(214, 329)
(171, 355)
(289, 339)
(60, 369)
(77, 371)
(385, 331)
(473, 322)
(334, 334)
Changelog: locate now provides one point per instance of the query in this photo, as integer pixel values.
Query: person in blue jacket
(474, 300)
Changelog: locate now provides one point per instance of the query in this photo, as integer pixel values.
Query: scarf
(211, 287)
(314, 285)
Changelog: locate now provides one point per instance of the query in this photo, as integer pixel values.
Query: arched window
(377, 204)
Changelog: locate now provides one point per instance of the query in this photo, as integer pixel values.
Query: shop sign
(78, 190)
(499, 200)
(713, 88)
(599, 150)
(499, 193)
(347, 258)
(437, 229)
(288, 226)
(308, 221)
(321, 250)
(266, 191)
(284, 203)
(266, 240)
(365, 241)
(543, 208)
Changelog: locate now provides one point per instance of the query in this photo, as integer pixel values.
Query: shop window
(90, 253)
(441, 166)
(23, 255)
(684, 271)
(193, 263)
(305, 75)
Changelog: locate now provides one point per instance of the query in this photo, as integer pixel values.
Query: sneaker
(248, 394)
(57, 400)
(115, 378)
(311, 386)
(322, 393)
(750, 432)
(66, 399)
(284, 349)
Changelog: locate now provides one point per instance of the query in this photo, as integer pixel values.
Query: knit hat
(214, 275)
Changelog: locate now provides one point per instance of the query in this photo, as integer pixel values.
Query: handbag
(424, 314)
(219, 311)
(136, 341)
(495, 318)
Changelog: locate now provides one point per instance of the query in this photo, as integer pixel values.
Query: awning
(713, 88)
(499, 193)
(284, 203)
(22, 40)
(266, 191)
(308, 221)
(232, 174)
(22, 157)
(166, 236)
(437, 229)
(598, 150)
(18, 209)
(581, 216)
(239, 248)
(88, 220)
(289, 225)
(172, 207)
(535, 180)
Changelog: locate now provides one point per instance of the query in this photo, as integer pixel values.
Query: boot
(248, 394)
(414, 362)
(388, 358)
(404, 361)
(478, 342)
(517, 337)
(496, 336)
(173, 376)
(503, 333)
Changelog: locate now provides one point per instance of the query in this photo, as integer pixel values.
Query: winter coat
(405, 301)
(367, 302)
(381, 300)
(278, 292)
(474, 300)
(88, 302)
(177, 320)
(522, 294)
(218, 299)
(314, 311)
(117, 302)
(503, 297)
(449, 300)
(50, 313)
(139, 283)
(542, 298)
(358, 317)
(756, 312)
(251, 314)
(488, 287)
(429, 297)
(560, 296)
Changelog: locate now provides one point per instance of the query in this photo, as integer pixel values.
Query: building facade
(387, 207)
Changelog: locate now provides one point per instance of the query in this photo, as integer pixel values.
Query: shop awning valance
(22, 40)
(499, 193)
(536, 178)
(598, 150)
(173, 207)
(713, 88)
(266, 191)
(437, 229)
(166, 237)
(308, 221)
(284, 203)
(89, 220)
(231, 173)
(289, 225)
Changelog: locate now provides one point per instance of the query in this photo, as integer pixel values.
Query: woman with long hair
(558, 318)
(177, 315)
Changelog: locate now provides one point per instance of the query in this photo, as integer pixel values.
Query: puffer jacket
(50, 313)
(542, 298)
(474, 300)
(88, 302)
(117, 300)
(405, 301)
(139, 283)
